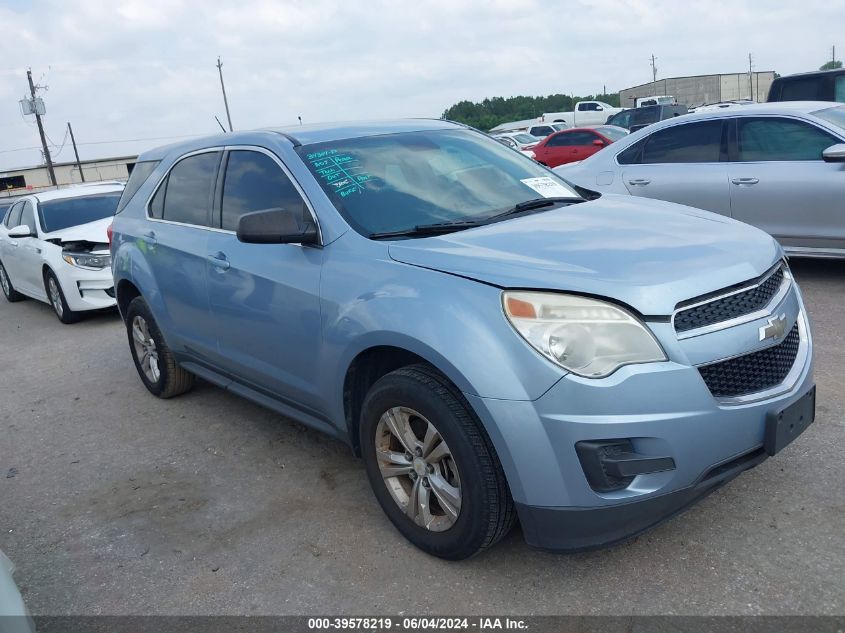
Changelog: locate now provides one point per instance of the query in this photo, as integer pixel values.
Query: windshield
(395, 182)
(526, 138)
(612, 132)
(56, 215)
(834, 115)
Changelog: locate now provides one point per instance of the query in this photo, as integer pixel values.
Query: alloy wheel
(418, 468)
(4, 281)
(55, 296)
(145, 349)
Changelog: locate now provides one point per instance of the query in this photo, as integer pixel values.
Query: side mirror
(276, 226)
(598, 142)
(21, 231)
(834, 153)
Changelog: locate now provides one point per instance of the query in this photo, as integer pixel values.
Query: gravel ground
(114, 502)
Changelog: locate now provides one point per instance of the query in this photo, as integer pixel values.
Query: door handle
(639, 182)
(150, 238)
(219, 261)
(13, 243)
(745, 181)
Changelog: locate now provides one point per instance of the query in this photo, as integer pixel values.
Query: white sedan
(54, 248)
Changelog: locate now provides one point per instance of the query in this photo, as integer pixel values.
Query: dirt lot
(114, 502)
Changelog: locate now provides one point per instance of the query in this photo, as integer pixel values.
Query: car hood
(649, 255)
(90, 232)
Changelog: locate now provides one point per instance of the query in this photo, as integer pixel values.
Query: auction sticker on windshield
(548, 187)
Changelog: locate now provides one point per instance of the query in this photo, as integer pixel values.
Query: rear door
(683, 163)
(265, 297)
(175, 243)
(780, 183)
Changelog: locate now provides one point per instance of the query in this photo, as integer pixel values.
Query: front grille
(753, 372)
(730, 307)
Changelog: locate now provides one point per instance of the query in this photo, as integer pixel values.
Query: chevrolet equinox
(492, 344)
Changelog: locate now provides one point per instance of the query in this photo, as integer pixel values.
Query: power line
(126, 140)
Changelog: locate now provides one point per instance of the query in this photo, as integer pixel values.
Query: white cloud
(146, 68)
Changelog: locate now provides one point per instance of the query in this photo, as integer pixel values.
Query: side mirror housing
(21, 231)
(276, 226)
(598, 143)
(834, 153)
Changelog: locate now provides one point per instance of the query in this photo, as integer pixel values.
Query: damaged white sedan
(54, 248)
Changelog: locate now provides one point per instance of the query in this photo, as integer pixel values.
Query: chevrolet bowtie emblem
(775, 329)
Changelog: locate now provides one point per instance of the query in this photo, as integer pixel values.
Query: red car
(576, 144)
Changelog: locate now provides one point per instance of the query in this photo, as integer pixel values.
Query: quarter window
(690, 143)
(189, 190)
(775, 139)
(255, 182)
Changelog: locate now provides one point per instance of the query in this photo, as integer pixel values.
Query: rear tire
(56, 297)
(431, 465)
(159, 371)
(12, 295)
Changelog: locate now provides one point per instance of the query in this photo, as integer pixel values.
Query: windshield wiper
(439, 228)
(533, 205)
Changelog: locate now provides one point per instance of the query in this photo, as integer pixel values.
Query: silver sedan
(778, 166)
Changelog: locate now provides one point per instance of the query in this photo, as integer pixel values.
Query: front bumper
(87, 289)
(664, 410)
(577, 529)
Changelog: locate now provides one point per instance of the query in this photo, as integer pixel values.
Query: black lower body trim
(577, 529)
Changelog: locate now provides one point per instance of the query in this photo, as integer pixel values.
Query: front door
(264, 298)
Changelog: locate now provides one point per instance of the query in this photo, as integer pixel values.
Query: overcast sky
(145, 69)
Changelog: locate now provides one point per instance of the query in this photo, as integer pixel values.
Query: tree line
(495, 110)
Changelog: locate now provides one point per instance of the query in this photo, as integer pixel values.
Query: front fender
(454, 323)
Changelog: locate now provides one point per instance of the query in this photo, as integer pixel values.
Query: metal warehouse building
(701, 89)
(19, 181)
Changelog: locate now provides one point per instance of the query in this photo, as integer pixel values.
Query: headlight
(588, 337)
(87, 260)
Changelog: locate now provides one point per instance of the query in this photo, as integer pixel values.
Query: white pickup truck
(586, 113)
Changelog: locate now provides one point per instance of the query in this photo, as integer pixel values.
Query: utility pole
(750, 77)
(833, 54)
(223, 86)
(41, 131)
(653, 69)
(75, 152)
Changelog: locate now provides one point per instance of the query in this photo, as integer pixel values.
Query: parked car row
(490, 342)
(777, 166)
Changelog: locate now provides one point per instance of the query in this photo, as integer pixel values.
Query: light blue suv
(490, 343)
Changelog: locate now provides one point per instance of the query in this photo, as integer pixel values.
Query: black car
(823, 85)
(635, 119)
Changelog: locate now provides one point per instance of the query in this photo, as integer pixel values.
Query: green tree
(831, 65)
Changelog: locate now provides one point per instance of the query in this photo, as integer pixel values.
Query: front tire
(431, 466)
(159, 371)
(9, 291)
(56, 296)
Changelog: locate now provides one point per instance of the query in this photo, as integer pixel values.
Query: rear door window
(255, 182)
(188, 190)
(777, 139)
(691, 143)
